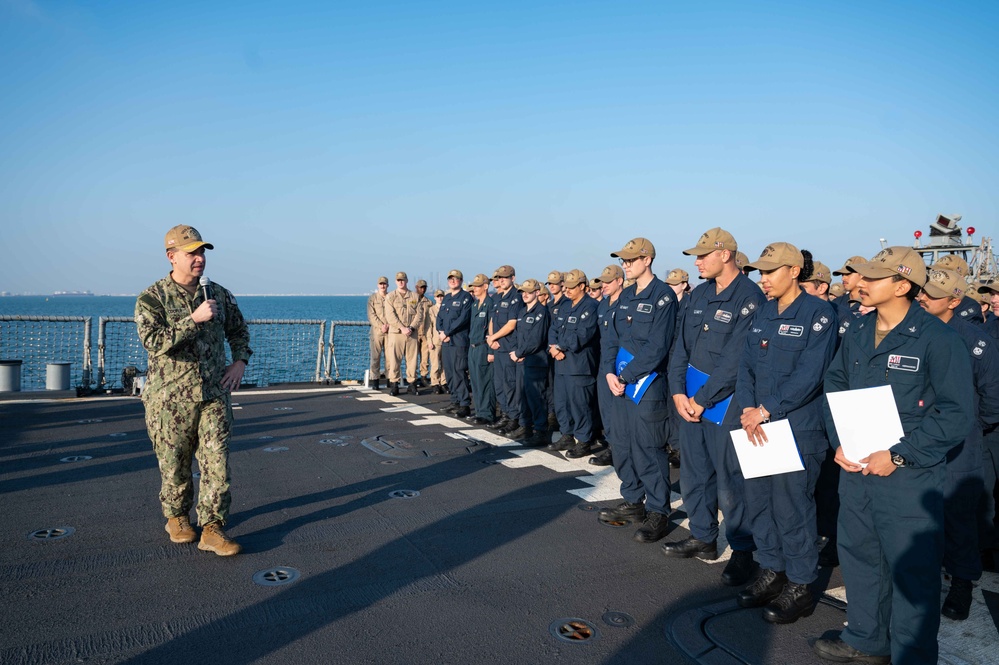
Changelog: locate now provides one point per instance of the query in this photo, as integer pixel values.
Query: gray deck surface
(476, 569)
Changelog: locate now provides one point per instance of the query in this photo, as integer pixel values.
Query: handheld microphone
(206, 288)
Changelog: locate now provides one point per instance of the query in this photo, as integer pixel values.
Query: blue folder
(695, 379)
(633, 391)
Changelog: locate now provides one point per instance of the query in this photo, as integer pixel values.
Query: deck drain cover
(276, 576)
(284, 408)
(615, 524)
(89, 420)
(335, 442)
(404, 494)
(577, 631)
(618, 619)
(76, 458)
(389, 461)
(275, 449)
(54, 533)
(587, 507)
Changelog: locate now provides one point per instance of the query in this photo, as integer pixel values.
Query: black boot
(521, 432)
(767, 587)
(739, 568)
(412, 389)
(581, 449)
(393, 389)
(374, 385)
(655, 527)
(829, 555)
(957, 604)
(462, 412)
(603, 459)
(438, 390)
(622, 512)
(674, 458)
(835, 649)
(539, 439)
(564, 443)
(691, 547)
(502, 423)
(794, 602)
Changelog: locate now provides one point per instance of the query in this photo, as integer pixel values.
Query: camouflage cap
(421, 282)
(849, 262)
(505, 271)
(573, 278)
(635, 248)
(677, 276)
(713, 240)
(554, 277)
(479, 280)
(820, 273)
(530, 286)
(891, 261)
(383, 280)
(611, 272)
(776, 255)
(401, 275)
(945, 284)
(186, 239)
(455, 273)
(952, 262)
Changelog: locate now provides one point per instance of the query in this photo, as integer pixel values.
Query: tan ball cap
(849, 262)
(836, 290)
(438, 293)
(952, 262)
(554, 277)
(611, 273)
(530, 286)
(820, 273)
(892, 261)
(595, 283)
(989, 287)
(456, 273)
(741, 260)
(383, 280)
(573, 278)
(401, 275)
(945, 284)
(505, 271)
(677, 276)
(776, 255)
(713, 240)
(186, 239)
(421, 282)
(635, 248)
(480, 280)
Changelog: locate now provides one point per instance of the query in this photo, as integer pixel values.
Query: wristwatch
(897, 460)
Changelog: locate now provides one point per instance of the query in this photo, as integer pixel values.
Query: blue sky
(321, 144)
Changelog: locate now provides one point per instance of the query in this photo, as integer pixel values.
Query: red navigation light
(918, 234)
(971, 230)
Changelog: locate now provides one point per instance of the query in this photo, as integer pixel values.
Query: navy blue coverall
(712, 337)
(453, 320)
(530, 341)
(606, 402)
(480, 370)
(643, 324)
(576, 333)
(783, 366)
(891, 527)
(506, 308)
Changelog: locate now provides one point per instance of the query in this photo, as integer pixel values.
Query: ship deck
(375, 530)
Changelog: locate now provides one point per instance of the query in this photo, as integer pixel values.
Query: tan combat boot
(213, 539)
(180, 529)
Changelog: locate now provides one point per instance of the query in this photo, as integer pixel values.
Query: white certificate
(866, 420)
(778, 455)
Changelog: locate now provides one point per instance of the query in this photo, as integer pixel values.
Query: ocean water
(329, 308)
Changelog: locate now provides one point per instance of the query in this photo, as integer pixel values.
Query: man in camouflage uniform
(187, 393)
(379, 331)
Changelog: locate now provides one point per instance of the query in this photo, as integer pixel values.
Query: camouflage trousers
(181, 431)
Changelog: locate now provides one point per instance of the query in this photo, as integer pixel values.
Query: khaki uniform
(402, 310)
(376, 317)
(436, 373)
(188, 412)
(421, 341)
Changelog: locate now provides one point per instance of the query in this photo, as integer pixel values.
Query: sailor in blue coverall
(788, 349)
(453, 322)
(530, 358)
(574, 344)
(711, 339)
(642, 325)
(964, 493)
(891, 510)
(507, 304)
